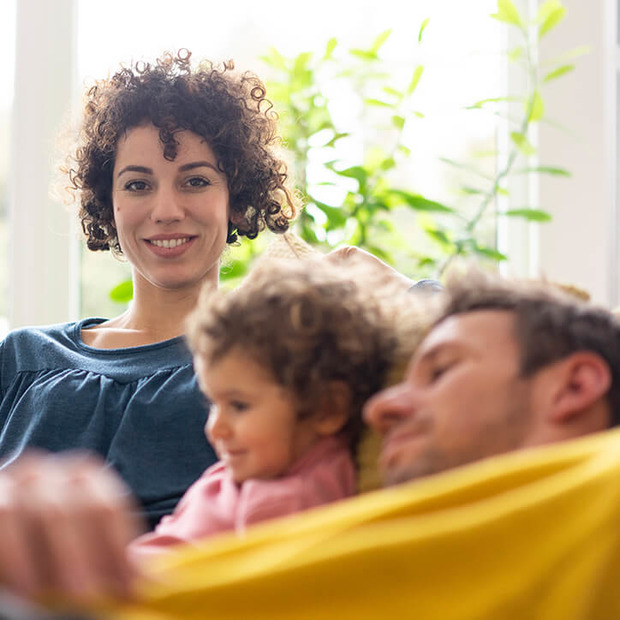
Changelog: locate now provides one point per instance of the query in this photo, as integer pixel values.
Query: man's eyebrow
(437, 349)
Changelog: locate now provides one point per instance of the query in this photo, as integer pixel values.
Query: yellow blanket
(534, 534)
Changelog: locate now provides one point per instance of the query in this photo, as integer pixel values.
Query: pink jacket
(214, 503)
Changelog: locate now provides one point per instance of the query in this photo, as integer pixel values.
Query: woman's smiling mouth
(170, 247)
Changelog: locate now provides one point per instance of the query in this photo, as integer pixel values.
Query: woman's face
(171, 217)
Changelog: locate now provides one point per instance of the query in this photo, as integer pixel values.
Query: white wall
(580, 245)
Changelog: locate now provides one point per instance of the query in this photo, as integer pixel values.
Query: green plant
(365, 214)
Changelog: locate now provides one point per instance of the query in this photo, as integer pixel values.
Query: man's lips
(396, 443)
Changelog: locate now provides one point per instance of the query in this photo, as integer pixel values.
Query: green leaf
(491, 253)
(553, 170)
(377, 103)
(522, 143)
(546, 8)
(515, 54)
(388, 163)
(122, 293)
(398, 121)
(532, 215)
(440, 237)
(550, 14)
(380, 253)
(301, 62)
(336, 218)
(507, 12)
(423, 28)
(236, 269)
(471, 190)
(275, 59)
(483, 102)
(537, 107)
(392, 91)
(355, 172)
(576, 52)
(380, 40)
(419, 203)
(330, 47)
(337, 136)
(560, 71)
(363, 54)
(415, 80)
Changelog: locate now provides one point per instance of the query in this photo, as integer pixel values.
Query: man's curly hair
(229, 110)
(308, 323)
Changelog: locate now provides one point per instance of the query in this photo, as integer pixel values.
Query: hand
(65, 521)
(350, 253)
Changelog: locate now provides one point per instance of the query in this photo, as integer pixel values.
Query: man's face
(462, 399)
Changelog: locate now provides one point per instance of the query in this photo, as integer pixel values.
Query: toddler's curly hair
(308, 323)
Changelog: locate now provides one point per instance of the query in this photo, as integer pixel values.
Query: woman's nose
(389, 407)
(167, 206)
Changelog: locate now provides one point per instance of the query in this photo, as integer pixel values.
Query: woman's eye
(136, 186)
(197, 182)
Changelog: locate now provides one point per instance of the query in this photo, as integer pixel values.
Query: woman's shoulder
(61, 347)
(32, 336)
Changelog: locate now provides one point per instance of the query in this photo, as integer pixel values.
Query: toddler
(287, 361)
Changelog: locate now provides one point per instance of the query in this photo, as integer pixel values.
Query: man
(506, 366)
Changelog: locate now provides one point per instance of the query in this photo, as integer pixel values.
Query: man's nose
(389, 407)
(167, 206)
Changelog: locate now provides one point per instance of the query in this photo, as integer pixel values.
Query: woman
(172, 164)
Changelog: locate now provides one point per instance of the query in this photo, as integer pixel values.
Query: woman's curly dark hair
(229, 110)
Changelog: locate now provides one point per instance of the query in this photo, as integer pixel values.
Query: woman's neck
(154, 315)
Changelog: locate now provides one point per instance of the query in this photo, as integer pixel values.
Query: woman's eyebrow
(142, 169)
(197, 164)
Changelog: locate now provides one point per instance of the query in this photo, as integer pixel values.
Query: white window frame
(43, 266)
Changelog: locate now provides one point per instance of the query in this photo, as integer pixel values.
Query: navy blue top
(139, 408)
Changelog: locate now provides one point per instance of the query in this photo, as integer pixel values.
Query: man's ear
(584, 379)
(335, 407)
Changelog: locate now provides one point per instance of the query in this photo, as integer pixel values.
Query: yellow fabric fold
(533, 534)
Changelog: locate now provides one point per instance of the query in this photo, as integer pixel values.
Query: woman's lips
(170, 247)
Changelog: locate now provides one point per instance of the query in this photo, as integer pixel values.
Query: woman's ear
(334, 410)
(584, 380)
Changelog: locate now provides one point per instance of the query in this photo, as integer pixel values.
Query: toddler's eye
(239, 406)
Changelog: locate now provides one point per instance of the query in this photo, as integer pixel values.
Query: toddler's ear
(334, 412)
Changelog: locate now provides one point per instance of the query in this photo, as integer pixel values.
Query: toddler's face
(252, 423)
